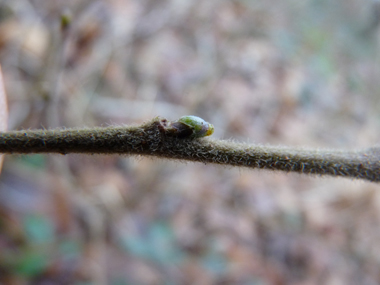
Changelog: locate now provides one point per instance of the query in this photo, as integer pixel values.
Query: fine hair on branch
(158, 138)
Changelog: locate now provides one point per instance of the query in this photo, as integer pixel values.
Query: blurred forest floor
(300, 73)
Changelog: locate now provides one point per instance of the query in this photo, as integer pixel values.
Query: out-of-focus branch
(154, 138)
(3, 111)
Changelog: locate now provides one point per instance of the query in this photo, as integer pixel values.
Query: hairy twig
(158, 138)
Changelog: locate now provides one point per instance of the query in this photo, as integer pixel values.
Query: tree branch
(158, 138)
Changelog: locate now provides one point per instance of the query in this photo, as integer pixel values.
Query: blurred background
(292, 72)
